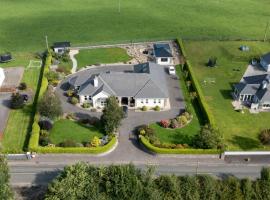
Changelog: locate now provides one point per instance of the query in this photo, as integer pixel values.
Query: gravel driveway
(4, 110)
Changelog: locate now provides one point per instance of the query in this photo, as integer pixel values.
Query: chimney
(96, 81)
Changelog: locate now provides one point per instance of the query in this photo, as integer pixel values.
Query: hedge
(34, 139)
(154, 149)
(92, 150)
(201, 99)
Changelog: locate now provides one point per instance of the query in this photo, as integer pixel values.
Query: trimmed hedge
(33, 141)
(92, 150)
(201, 99)
(154, 149)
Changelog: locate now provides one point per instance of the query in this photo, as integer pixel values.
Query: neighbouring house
(265, 62)
(5, 57)
(163, 54)
(145, 86)
(2, 76)
(254, 92)
(60, 47)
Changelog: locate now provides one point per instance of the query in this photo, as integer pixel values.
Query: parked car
(172, 70)
(125, 111)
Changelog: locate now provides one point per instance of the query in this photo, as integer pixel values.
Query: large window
(85, 98)
(164, 59)
(103, 102)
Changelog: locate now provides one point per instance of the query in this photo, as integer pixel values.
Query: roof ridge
(105, 83)
(143, 86)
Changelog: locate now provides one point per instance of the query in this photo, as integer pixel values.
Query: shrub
(156, 108)
(52, 76)
(68, 143)
(70, 93)
(174, 123)
(22, 86)
(44, 133)
(93, 110)
(182, 120)
(74, 100)
(264, 136)
(44, 141)
(165, 123)
(86, 105)
(95, 142)
(71, 116)
(17, 101)
(187, 115)
(45, 124)
(144, 108)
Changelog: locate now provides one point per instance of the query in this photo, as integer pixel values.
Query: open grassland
(24, 24)
(240, 130)
(65, 129)
(18, 125)
(101, 56)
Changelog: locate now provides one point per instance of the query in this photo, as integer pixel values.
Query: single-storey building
(265, 62)
(145, 86)
(2, 76)
(254, 91)
(163, 54)
(60, 47)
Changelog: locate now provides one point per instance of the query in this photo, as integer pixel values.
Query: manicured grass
(65, 129)
(23, 27)
(18, 125)
(101, 56)
(19, 59)
(240, 130)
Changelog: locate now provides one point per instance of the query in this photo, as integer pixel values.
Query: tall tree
(112, 115)
(5, 190)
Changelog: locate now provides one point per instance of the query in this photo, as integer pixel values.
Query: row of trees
(5, 189)
(82, 181)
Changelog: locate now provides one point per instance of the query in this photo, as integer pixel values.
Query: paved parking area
(4, 111)
(13, 76)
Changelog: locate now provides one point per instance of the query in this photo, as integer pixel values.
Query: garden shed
(5, 57)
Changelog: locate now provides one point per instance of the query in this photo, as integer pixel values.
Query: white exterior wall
(151, 103)
(265, 65)
(2, 76)
(59, 50)
(96, 99)
(169, 62)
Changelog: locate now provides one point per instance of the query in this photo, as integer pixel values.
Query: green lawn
(19, 59)
(240, 130)
(65, 129)
(18, 125)
(24, 24)
(101, 56)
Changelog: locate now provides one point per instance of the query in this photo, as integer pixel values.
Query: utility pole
(266, 30)
(119, 6)
(47, 44)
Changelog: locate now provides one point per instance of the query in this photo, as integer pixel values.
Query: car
(125, 111)
(172, 70)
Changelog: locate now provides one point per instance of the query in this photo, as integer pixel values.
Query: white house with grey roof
(254, 91)
(265, 62)
(163, 54)
(145, 86)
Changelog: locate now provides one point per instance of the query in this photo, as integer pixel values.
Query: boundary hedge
(158, 150)
(201, 99)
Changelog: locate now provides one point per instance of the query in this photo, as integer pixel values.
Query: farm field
(24, 26)
(240, 130)
(101, 56)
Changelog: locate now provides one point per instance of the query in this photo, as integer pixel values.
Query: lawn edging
(201, 99)
(158, 150)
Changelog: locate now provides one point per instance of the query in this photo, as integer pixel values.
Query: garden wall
(208, 115)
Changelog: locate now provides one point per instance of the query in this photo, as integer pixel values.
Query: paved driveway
(4, 111)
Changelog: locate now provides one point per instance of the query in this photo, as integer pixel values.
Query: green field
(101, 56)
(18, 125)
(24, 23)
(65, 129)
(240, 130)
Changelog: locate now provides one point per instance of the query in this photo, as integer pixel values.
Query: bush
(174, 123)
(74, 100)
(187, 115)
(45, 124)
(156, 108)
(86, 105)
(264, 136)
(95, 142)
(144, 108)
(68, 143)
(182, 120)
(17, 101)
(165, 123)
(22, 86)
(70, 93)
(44, 133)
(44, 141)
(52, 76)
(71, 116)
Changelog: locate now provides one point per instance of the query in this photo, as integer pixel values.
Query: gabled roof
(61, 44)
(162, 50)
(257, 79)
(266, 57)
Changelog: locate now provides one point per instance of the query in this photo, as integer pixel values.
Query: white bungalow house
(2, 76)
(145, 86)
(265, 62)
(60, 47)
(254, 91)
(163, 54)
